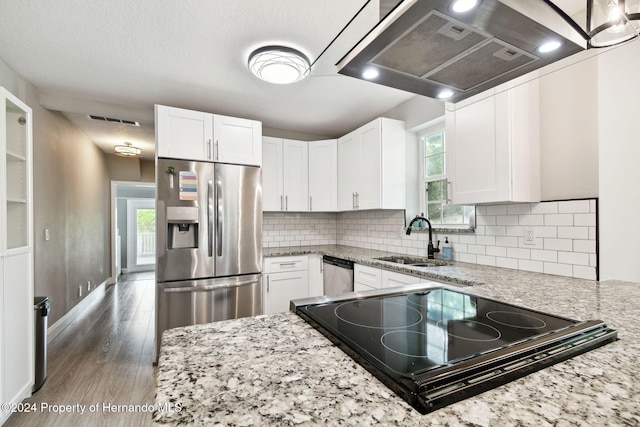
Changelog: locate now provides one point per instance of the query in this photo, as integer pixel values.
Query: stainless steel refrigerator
(209, 243)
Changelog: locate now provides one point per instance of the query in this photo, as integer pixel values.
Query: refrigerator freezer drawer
(203, 301)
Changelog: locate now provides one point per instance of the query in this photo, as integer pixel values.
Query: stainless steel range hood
(423, 47)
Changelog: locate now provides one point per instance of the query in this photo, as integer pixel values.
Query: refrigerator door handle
(220, 222)
(211, 287)
(210, 216)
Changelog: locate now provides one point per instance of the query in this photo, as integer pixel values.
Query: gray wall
(71, 187)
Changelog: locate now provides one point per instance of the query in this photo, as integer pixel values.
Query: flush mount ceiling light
(279, 64)
(602, 23)
(127, 150)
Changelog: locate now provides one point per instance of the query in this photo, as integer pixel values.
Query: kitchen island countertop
(277, 370)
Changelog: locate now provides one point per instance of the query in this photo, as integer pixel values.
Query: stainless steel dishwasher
(338, 275)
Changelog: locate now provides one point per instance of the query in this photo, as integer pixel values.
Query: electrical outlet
(80, 291)
(47, 236)
(529, 236)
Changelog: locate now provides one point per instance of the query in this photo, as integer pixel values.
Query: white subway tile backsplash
(565, 235)
(585, 219)
(507, 220)
(496, 210)
(527, 265)
(530, 219)
(507, 263)
(544, 208)
(573, 232)
(574, 206)
(519, 209)
(497, 251)
(558, 219)
(584, 272)
(573, 258)
(543, 255)
(558, 269)
(558, 244)
(519, 253)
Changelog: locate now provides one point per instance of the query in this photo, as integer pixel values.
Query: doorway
(141, 235)
(132, 227)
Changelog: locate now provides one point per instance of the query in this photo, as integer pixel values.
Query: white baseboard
(55, 329)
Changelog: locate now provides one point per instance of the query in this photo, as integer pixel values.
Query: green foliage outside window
(435, 183)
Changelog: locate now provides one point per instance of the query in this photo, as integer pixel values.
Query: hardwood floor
(102, 359)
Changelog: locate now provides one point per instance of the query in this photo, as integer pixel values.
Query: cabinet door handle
(353, 200)
(209, 149)
(216, 147)
(282, 264)
(286, 203)
(357, 200)
(281, 203)
(267, 284)
(310, 203)
(447, 198)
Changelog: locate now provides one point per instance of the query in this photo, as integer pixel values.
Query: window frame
(433, 128)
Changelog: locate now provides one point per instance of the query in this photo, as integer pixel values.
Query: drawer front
(391, 278)
(283, 264)
(368, 276)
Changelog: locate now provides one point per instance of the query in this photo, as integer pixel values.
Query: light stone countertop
(278, 370)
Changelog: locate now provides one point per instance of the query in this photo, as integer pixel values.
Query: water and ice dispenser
(182, 223)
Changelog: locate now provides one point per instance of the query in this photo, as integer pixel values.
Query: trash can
(41, 306)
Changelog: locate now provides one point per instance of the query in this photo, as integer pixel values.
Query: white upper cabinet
(285, 175)
(194, 135)
(323, 175)
(493, 146)
(272, 174)
(183, 134)
(371, 166)
(237, 140)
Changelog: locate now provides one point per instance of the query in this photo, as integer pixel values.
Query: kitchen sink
(415, 261)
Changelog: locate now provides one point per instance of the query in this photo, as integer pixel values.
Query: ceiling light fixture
(127, 150)
(279, 64)
(606, 22)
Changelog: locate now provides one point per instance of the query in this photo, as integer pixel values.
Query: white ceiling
(118, 58)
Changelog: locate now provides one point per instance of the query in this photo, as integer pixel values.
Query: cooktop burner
(437, 346)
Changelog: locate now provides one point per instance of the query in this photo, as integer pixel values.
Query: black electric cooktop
(438, 346)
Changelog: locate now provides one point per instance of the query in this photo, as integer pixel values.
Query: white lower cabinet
(365, 277)
(392, 278)
(285, 279)
(316, 275)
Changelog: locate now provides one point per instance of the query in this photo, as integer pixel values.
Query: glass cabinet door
(17, 133)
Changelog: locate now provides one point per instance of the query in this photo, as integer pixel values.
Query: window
(434, 197)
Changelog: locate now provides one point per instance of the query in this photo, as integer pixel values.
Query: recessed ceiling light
(549, 46)
(462, 6)
(279, 64)
(370, 73)
(445, 93)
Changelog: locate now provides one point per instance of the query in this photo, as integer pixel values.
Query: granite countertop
(457, 273)
(277, 370)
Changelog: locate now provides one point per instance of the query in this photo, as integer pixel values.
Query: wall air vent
(109, 119)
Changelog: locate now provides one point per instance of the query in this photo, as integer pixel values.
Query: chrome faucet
(430, 249)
